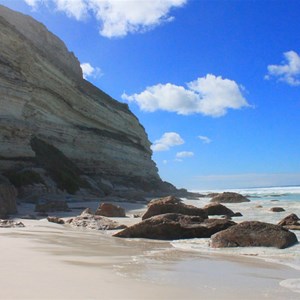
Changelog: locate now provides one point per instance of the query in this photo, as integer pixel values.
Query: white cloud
(168, 140)
(117, 18)
(205, 139)
(32, 3)
(210, 95)
(288, 71)
(184, 154)
(89, 71)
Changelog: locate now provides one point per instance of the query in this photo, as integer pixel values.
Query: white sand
(50, 261)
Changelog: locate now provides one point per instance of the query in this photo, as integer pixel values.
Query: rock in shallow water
(218, 209)
(173, 226)
(254, 234)
(291, 222)
(172, 204)
(229, 197)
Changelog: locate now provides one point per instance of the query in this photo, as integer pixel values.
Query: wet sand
(50, 261)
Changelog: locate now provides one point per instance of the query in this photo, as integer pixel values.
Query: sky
(215, 83)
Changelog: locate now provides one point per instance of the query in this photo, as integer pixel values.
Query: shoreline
(48, 261)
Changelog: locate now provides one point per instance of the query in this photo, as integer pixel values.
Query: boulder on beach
(254, 234)
(110, 210)
(56, 220)
(10, 224)
(90, 221)
(172, 226)
(229, 197)
(213, 209)
(172, 204)
(277, 209)
(165, 200)
(291, 222)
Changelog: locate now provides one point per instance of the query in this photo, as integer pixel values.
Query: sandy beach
(50, 261)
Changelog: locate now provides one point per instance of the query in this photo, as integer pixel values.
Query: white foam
(292, 284)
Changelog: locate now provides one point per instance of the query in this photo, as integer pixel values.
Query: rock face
(229, 197)
(43, 95)
(175, 226)
(254, 234)
(8, 195)
(172, 205)
(110, 210)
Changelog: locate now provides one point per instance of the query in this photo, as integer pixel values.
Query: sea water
(258, 209)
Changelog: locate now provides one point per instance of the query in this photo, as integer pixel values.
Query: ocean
(258, 209)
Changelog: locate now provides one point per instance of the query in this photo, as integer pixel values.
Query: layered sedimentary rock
(43, 95)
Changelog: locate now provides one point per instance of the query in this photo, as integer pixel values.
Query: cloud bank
(288, 71)
(210, 95)
(168, 140)
(116, 18)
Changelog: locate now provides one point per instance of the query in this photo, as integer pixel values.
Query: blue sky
(216, 84)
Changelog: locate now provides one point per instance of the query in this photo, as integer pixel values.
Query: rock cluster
(173, 226)
(91, 221)
(10, 224)
(172, 205)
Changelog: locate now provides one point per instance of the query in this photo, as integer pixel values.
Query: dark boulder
(277, 209)
(218, 209)
(173, 226)
(110, 210)
(291, 222)
(229, 197)
(254, 234)
(56, 220)
(172, 205)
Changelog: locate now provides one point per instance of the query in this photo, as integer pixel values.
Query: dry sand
(50, 261)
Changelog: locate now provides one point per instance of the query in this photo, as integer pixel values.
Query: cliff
(44, 100)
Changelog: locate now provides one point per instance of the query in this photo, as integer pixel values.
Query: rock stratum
(45, 100)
